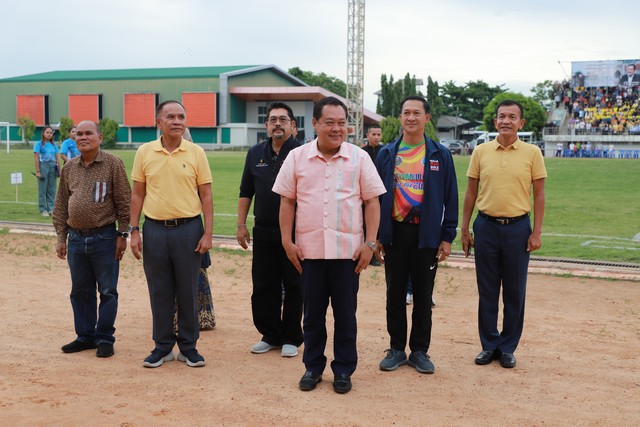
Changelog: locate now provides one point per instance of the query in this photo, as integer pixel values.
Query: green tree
(65, 126)
(535, 116)
(468, 100)
(27, 128)
(330, 83)
(393, 92)
(390, 128)
(109, 129)
(434, 99)
(543, 91)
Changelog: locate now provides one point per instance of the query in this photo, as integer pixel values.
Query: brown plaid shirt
(92, 196)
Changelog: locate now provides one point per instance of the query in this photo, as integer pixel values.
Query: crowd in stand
(605, 110)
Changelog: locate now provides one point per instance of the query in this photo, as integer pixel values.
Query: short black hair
(631, 65)
(162, 105)
(329, 100)
(373, 126)
(427, 107)
(509, 103)
(278, 104)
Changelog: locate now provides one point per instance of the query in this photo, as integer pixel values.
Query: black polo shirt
(373, 151)
(261, 167)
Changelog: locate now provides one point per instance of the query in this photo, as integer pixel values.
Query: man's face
(508, 121)
(332, 126)
(279, 124)
(172, 120)
(413, 117)
(374, 136)
(72, 133)
(631, 70)
(88, 138)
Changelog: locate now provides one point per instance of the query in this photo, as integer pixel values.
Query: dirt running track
(577, 362)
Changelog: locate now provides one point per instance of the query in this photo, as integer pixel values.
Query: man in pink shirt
(322, 186)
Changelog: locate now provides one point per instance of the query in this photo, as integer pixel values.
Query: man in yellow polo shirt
(500, 176)
(172, 178)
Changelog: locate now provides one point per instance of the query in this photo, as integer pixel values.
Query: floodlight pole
(355, 69)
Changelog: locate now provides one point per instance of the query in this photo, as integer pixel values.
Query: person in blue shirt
(68, 149)
(46, 159)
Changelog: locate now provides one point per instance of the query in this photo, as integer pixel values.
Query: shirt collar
(157, 145)
(515, 145)
(343, 152)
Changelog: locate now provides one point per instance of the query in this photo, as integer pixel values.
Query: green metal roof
(130, 74)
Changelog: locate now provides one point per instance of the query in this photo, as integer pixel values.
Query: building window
(262, 136)
(262, 114)
(300, 122)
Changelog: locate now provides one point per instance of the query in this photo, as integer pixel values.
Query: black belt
(172, 222)
(503, 220)
(88, 232)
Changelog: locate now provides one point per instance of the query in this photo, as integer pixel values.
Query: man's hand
(205, 243)
(363, 255)
(294, 254)
(444, 250)
(136, 244)
(121, 247)
(242, 234)
(534, 243)
(61, 250)
(467, 241)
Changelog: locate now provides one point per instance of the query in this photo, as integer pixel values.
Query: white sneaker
(44, 213)
(289, 350)
(409, 298)
(262, 347)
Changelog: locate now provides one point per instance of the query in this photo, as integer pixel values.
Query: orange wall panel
(32, 106)
(201, 109)
(84, 107)
(140, 109)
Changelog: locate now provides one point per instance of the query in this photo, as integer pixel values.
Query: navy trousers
(332, 280)
(502, 260)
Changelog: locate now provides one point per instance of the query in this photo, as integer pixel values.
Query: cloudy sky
(516, 43)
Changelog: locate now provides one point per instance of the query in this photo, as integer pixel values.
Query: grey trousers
(172, 267)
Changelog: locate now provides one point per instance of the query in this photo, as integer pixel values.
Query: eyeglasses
(283, 119)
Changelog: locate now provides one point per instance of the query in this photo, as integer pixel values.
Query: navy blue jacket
(439, 213)
(261, 168)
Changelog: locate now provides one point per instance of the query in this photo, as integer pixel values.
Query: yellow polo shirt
(505, 177)
(171, 179)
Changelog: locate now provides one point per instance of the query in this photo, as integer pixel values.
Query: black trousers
(404, 261)
(172, 268)
(278, 321)
(332, 280)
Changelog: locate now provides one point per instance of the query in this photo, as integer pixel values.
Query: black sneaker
(393, 359)
(76, 346)
(192, 357)
(420, 360)
(157, 358)
(105, 349)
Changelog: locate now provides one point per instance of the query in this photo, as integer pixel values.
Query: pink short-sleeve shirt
(329, 196)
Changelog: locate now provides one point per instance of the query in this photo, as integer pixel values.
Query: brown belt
(172, 222)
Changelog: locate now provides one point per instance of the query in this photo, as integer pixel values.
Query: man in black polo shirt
(275, 317)
(374, 136)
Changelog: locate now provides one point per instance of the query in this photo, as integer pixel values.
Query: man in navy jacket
(418, 220)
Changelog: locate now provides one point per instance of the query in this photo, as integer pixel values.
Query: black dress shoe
(76, 346)
(342, 383)
(105, 349)
(484, 357)
(507, 360)
(309, 381)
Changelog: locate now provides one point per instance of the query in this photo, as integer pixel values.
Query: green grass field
(592, 208)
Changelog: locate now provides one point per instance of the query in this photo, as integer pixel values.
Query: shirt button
(326, 214)
(327, 175)
(326, 188)
(325, 227)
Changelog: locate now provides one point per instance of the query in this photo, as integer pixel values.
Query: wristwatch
(371, 245)
(133, 228)
(123, 234)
